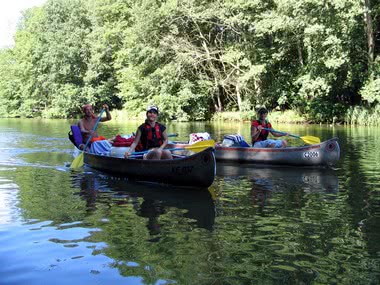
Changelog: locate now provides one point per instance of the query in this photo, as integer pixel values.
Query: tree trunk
(369, 31)
(257, 84)
(237, 88)
(220, 107)
(214, 102)
(299, 50)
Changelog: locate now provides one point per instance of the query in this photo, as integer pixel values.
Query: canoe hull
(197, 170)
(325, 153)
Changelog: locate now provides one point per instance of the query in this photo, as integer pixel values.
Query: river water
(254, 225)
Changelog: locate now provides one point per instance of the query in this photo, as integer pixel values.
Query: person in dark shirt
(152, 137)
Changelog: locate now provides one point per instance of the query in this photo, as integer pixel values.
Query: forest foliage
(195, 58)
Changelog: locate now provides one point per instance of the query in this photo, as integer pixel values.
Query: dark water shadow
(148, 200)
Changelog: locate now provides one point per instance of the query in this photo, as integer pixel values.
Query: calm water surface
(254, 225)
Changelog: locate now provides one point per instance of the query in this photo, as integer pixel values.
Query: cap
(152, 108)
(262, 110)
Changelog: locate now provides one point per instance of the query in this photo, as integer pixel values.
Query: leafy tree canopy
(194, 58)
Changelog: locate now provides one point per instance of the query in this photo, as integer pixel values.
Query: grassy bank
(354, 116)
(286, 117)
(358, 115)
(363, 116)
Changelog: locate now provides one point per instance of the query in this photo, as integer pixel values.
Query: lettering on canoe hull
(182, 170)
(310, 154)
(312, 179)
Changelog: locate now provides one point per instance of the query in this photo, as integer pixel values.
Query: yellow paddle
(309, 139)
(78, 161)
(196, 147)
(306, 139)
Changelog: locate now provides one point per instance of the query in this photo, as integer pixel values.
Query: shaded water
(255, 225)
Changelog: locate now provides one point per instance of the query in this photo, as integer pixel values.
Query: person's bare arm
(165, 140)
(108, 114)
(255, 132)
(83, 129)
(81, 126)
(134, 144)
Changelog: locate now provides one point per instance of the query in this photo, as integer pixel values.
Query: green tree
(193, 58)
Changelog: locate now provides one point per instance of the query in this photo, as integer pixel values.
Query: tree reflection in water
(149, 200)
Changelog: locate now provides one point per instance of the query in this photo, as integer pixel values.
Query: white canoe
(324, 153)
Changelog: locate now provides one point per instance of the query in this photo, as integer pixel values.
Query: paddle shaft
(283, 133)
(146, 151)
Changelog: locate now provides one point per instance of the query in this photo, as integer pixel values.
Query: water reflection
(148, 200)
(281, 178)
(273, 225)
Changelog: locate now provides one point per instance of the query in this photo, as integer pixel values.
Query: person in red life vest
(87, 123)
(151, 136)
(260, 135)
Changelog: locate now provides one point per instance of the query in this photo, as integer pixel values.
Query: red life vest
(150, 136)
(264, 133)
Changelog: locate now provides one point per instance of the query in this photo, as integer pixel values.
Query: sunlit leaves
(371, 91)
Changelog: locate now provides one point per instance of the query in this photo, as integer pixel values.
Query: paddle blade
(77, 162)
(311, 140)
(200, 146)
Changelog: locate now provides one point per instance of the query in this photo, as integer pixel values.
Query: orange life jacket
(98, 138)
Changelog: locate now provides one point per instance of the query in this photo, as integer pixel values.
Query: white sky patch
(10, 15)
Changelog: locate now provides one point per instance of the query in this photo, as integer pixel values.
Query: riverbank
(354, 116)
(358, 115)
(286, 117)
